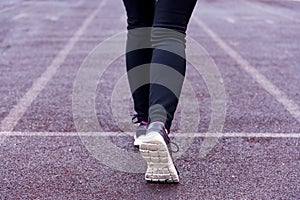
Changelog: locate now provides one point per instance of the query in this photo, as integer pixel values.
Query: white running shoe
(140, 132)
(154, 148)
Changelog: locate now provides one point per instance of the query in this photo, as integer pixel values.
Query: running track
(255, 45)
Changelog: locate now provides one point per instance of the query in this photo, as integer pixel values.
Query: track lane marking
(20, 16)
(230, 20)
(264, 9)
(14, 6)
(7, 9)
(124, 134)
(280, 96)
(12, 119)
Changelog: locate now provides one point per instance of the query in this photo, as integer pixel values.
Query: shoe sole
(137, 141)
(160, 167)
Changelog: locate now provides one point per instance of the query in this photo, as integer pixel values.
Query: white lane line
(7, 9)
(12, 7)
(268, 21)
(289, 104)
(20, 16)
(124, 134)
(264, 9)
(230, 20)
(9, 122)
(52, 17)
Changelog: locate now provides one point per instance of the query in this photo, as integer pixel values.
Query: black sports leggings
(158, 100)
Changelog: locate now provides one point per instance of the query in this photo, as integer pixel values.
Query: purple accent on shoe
(144, 123)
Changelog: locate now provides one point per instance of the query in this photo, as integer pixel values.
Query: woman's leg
(173, 15)
(140, 14)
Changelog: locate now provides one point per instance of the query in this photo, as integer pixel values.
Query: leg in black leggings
(161, 100)
(140, 14)
(173, 15)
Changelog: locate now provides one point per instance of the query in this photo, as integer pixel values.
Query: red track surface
(264, 34)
